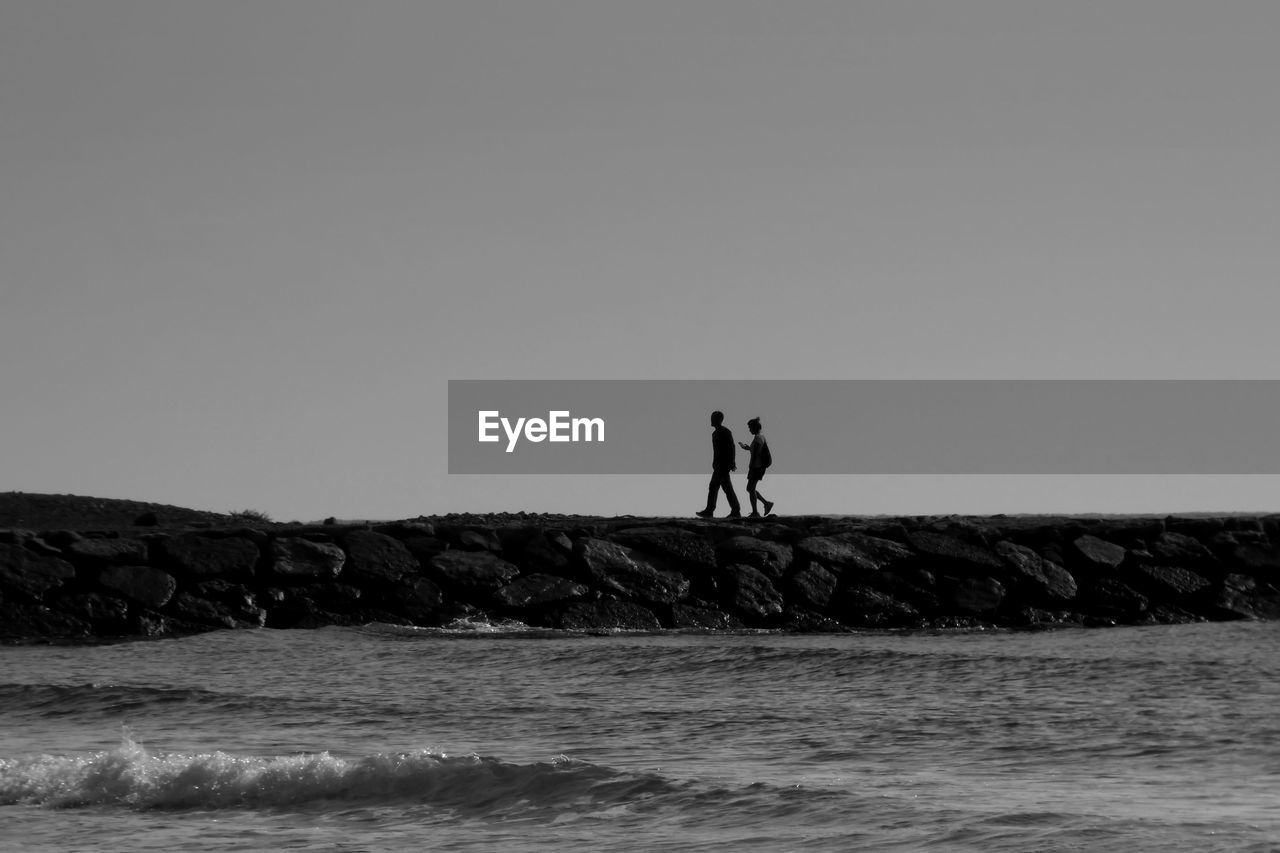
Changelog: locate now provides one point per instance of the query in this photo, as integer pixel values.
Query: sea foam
(133, 777)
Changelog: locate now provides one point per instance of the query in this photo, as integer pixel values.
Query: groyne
(596, 574)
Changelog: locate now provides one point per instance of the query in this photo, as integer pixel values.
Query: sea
(493, 737)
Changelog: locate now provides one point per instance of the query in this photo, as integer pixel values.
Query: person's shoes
(734, 514)
(703, 513)
(768, 507)
(754, 515)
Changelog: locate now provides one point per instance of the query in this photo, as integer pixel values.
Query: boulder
(864, 607)
(1039, 581)
(813, 586)
(682, 548)
(32, 574)
(239, 600)
(201, 611)
(978, 596)
(941, 550)
(117, 551)
(329, 597)
(619, 569)
(1169, 582)
(1096, 553)
(376, 557)
(800, 620)
(752, 594)
(102, 611)
(424, 548)
(24, 622)
(1111, 599)
(197, 556)
(605, 615)
(303, 558)
(772, 558)
(692, 617)
(149, 587)
(419, 599)
(472, 573)
(1179, 549)
(854, 551)
(539, 589)
(1240, 597)
(547, 554)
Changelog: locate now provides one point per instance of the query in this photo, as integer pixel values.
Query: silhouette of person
(722, 462)
(755, 468)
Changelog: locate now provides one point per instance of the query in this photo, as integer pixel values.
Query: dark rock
(62, 539)
(32, 574)
(146, 519)
(864, 607)
(855, 551)
(331, 597)
(1109, 598)
(690, 617)
(1038, 580)
(296, 557)
(752, 594)
(38, 545)
(1258, 557)
(683, 548)
(772, 558)
(605, 615)
(304, 613)
(1169, 582)
(403, 530)
(201, 611)
(419, 599)
(473, 572)
(1180, 550)
(240, 601)
(1194, 529)
(800, 620)
(37, 621)
(470, 537)
(1098, 553)
(916, 587)
(118, 551)
(979, 596)
(942, 551)
(424, 548)
(149, 587)
(619, 569)
(547, 554)
(376, 557)
(102, 611)
(813, 586)
(539, 589)
(198, 555)
(1239, 597)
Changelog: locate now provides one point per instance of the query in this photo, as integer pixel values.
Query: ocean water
(385, 738)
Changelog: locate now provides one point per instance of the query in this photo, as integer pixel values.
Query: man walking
(722, 462)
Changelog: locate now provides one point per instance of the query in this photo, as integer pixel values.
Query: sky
(245, 244)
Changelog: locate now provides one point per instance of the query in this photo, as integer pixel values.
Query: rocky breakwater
(593, 574)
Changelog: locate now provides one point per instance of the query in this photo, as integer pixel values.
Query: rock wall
(590, 574)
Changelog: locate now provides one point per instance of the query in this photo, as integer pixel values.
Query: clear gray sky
(245, 243)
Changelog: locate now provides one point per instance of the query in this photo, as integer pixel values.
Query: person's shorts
(755, 475)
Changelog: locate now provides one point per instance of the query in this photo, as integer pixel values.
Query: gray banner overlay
(1131, 427)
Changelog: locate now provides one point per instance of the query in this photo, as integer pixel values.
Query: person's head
(717, 418)
(754, 425)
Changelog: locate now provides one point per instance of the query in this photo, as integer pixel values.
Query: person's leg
(751, 493)
(734, 507)
(713, 489)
